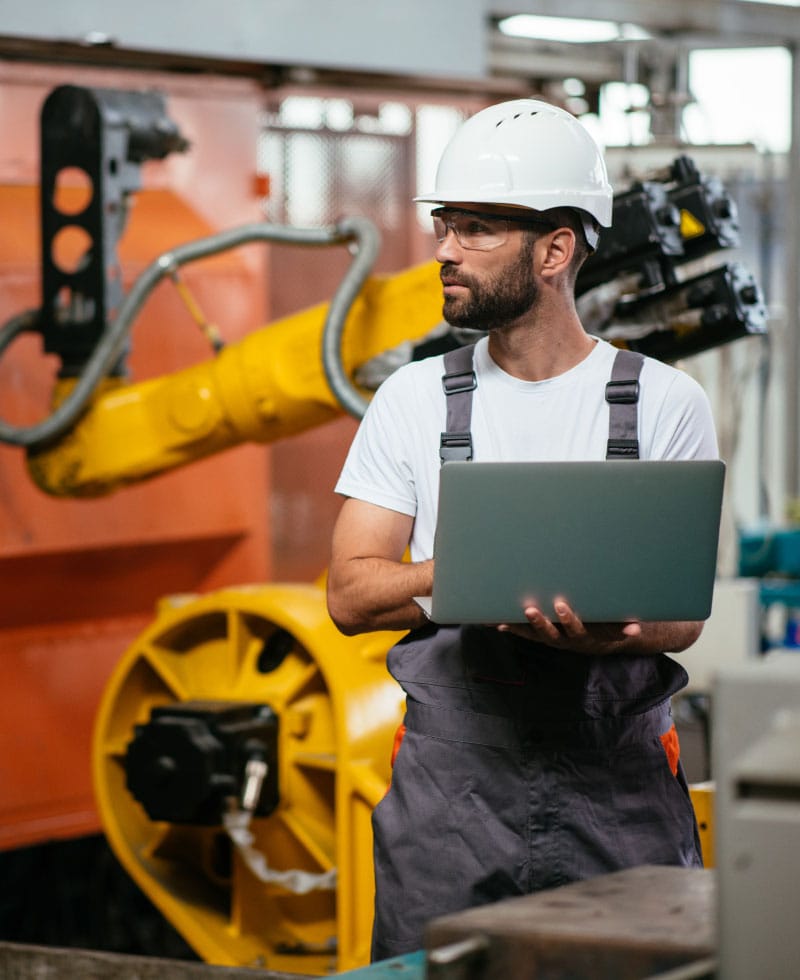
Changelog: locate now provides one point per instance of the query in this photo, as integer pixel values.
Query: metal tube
(110, 346)
(366, 234)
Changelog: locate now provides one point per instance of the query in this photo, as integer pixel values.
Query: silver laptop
(618, 539)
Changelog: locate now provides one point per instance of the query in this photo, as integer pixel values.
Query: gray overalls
(522, 767)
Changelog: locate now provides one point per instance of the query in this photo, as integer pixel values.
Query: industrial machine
(239, 752)
(242, 742)
(758, 778)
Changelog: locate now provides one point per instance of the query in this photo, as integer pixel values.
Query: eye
(477, 227)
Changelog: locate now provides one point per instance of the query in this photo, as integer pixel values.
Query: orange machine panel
(79, 578)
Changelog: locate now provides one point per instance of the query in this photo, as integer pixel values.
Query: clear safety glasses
(476, 230)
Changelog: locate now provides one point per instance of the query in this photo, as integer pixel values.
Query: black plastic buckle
(622, 449)
(622, 392)
(455, 446)
(459, 381)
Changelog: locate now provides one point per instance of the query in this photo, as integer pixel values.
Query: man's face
(485, 289)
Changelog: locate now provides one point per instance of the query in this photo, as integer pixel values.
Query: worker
(541, 753)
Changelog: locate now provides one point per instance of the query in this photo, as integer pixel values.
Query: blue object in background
(772, 555)
(769, 551)
(408, 967)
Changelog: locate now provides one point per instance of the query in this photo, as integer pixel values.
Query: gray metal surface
(622, 926)
(718, 19)
(446, 38)
(21, 962)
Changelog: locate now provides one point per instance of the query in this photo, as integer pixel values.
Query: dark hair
(566, 218)
(570, 218)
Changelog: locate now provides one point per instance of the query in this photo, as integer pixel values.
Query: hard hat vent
(517, 115)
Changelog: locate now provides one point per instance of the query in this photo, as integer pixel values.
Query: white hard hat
(524, 153)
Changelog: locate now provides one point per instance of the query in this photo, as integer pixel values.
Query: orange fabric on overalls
(398, 738)
(672, 748)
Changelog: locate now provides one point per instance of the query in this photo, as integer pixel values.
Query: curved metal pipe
(360, 231)
(366, 234)
(16, 325)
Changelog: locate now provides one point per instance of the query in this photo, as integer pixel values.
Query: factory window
(624, 114)
(326, 157)
(760, 111)
(329, 157)
(435, 125)
(706, 113)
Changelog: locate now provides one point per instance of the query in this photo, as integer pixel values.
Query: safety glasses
(476, 230)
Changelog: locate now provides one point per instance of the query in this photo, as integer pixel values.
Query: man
(540, 754)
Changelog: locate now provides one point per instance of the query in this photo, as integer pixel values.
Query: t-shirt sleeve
(379, 465)
(685, 425)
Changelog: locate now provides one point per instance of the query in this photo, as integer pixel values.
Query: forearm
(371, 593)
(671, 637)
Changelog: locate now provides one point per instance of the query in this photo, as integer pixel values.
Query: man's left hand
(571, 633)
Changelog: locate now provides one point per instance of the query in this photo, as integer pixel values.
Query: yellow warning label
(690, 226)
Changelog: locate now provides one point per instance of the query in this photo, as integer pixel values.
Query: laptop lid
(619, 540)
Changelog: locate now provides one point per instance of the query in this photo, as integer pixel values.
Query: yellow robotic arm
(104, 433)
(277, 381)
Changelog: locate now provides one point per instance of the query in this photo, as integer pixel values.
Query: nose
(448, 249)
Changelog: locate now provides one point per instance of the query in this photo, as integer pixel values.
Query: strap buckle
(458, 382)
(455, 446)
(622, 449)
(624, 392)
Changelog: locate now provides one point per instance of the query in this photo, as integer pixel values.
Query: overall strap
(622, 395)
(458, 382)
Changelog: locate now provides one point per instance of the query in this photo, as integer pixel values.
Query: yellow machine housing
(703, 796)
(338, 712)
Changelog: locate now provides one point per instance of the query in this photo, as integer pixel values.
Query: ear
(558, 249)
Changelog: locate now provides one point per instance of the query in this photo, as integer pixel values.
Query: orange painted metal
(80, 579)
(53, 676)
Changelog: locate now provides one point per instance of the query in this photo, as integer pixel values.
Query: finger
(541, 625)
(572, 624)
(517, 629)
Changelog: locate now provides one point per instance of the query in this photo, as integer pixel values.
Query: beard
(495, 302)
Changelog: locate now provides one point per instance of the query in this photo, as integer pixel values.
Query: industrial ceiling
(448, 43)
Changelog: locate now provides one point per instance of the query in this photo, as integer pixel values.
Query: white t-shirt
(394, 459)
